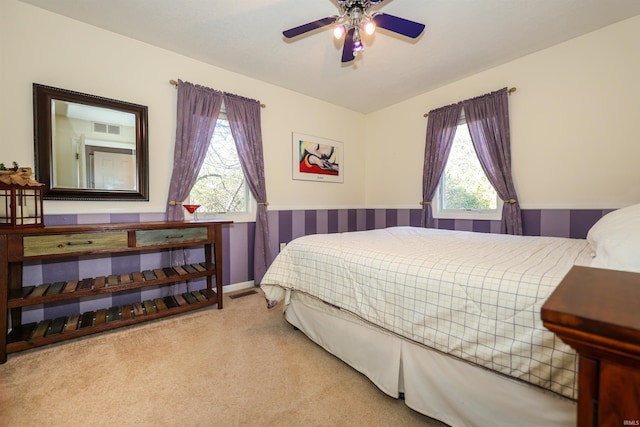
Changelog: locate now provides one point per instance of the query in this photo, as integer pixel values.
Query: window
(221, 189)
(464, 191)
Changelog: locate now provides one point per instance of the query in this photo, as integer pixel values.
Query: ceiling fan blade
(294, 32)
(399, 25)
(347, 49)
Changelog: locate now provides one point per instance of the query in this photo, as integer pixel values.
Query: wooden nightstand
(597, 312)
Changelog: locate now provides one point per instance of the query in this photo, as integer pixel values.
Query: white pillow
(615, 240)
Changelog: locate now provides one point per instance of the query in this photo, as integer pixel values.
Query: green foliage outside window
(465, 184)
(221, 186)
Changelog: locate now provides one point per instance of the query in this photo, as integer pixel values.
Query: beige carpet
(240, 366)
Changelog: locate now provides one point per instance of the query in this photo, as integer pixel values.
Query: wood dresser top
(597, 302)
(74, 228)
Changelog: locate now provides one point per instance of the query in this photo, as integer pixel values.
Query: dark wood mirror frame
(43, 96)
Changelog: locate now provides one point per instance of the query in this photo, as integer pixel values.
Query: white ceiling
(462, 37)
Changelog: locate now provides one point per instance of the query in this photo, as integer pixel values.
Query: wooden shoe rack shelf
(35, 244)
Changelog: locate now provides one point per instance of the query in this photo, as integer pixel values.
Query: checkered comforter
(475, 296)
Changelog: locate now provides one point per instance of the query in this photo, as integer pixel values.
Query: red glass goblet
(191, 209)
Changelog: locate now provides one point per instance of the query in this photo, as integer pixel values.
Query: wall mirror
(88, 147)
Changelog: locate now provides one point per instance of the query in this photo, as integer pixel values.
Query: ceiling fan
(355, 16)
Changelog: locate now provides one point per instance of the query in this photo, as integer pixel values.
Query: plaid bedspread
(474, 296)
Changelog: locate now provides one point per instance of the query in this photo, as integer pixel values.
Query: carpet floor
(240, 366)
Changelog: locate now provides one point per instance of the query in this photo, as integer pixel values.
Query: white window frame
(474, 214)
(248, 216)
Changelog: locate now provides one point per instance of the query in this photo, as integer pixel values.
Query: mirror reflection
(94, 147)
(89, 147)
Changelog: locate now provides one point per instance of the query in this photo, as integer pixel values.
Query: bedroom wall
(574, 130)
(571, 147)
(37, 46)
(42, 47)
(550, 110)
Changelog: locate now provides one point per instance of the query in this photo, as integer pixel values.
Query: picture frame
(317, 159)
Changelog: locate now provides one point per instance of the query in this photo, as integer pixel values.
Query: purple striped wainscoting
(238, 246)
(285, 226)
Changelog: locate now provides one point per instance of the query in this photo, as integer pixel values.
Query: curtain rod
(175, 83)
(510, 91)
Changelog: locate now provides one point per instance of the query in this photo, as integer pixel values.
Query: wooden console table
(33, 244)
(597, 312)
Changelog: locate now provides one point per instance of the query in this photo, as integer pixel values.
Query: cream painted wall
(574, 117)
(574, 126)
(37, 46)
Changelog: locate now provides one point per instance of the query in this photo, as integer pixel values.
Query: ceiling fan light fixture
(369, 27)
(356, 16)
(357, 42)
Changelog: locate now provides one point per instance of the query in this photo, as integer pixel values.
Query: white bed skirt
(439, 386)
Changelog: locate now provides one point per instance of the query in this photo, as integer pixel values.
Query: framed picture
(317, 159)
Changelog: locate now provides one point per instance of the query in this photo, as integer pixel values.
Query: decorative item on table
(189, 208)
(192, 210)
(20, 198)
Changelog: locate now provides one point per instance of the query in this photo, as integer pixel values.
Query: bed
(448, 320)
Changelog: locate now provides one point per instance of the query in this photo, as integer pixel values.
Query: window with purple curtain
(198, 111)
(441, 129)
(487, 117)
(488, 121)
(245, 124)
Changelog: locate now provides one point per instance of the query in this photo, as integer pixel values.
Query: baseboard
(237, 286)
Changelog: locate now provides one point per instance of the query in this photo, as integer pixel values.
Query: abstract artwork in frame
(317, 159)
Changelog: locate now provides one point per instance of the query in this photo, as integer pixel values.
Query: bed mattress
(473, 296)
